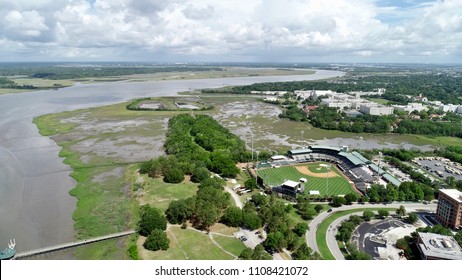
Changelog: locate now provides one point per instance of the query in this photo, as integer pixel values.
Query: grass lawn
(276, 176)
(321, 232)
(185, 244)
(230, 244)
(159, 194)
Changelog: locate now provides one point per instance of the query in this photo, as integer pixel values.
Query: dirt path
(304, 170)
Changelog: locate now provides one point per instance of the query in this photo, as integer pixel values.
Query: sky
(351, 31)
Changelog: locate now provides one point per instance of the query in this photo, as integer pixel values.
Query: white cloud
(248, 29)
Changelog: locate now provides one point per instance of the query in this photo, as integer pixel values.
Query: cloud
(239, 29)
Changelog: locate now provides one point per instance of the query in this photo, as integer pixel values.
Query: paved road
(237, 201)
(311, 234)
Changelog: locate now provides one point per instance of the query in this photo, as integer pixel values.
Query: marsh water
(35, 205)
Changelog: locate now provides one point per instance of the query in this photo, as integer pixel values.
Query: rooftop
(439, 246)
(352, 158)
(453, 193)
(392, 179)
(291, 184)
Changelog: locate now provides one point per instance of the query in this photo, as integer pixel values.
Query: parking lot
(439, 167)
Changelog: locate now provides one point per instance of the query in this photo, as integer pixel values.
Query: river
(35, 205)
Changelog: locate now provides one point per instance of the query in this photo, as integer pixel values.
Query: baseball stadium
(323, 171)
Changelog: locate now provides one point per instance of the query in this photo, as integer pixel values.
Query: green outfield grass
(276, 176)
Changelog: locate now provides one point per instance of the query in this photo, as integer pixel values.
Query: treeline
(7, 83)
(407, 191)
(453, 153)
(54, 72)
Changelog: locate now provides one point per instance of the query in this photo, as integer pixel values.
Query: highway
(332, 243)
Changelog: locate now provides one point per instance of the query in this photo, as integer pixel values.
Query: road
(233, 194)
(332, 243)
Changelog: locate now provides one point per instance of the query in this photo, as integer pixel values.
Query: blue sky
(232, 30)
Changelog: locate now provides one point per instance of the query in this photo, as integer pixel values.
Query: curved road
(331, 241)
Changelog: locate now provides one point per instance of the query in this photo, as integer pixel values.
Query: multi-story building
(449, 210)
(411, 107)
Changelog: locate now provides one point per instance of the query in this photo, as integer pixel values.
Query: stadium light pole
(256, 170)
(327, 178)
(302, 135)
(251, 137)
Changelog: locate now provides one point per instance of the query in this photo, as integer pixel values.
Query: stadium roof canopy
(361, 157)
(392, 179)
(376, 168)
(300, 151)
(353, 159)
(325, 148)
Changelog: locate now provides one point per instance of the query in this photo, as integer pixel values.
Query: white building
(376, 110)
(410, 107)
(336, 103)
(449, 108)
(271, 99)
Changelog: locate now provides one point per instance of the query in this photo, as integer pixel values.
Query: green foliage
(350, 198)
(259, 253)
(318, 208)
(383, 213)
(304, 252)
(293, 113)
(150, 219)
(412, 217)
(199, 174)
(275, 241)
(355, 254)
(232, 216)
(179, 211)
(157, 240)
(401, 211)
(246, 254)
(368, 215)
(407, 191)
(251, 220)
(174, 176)
(338, 201)
(438, 229)
(300, 229)
(250, 184)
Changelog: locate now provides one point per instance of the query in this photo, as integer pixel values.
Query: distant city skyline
(292, 31)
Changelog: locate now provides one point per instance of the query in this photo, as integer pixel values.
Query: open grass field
(276, 176)
(159, 194)
(188, 244)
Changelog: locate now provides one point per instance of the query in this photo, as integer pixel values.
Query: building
(411, 107)
(291, 188)
(336, 103)
(448, 108)
(376, 110)
(438, 247)
(449, 210)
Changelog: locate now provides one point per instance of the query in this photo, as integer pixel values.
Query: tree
(174, 176)
(259, 253)
(309, 214)
(206, 215)
(179, 211)
(300, 229)
(246, 254)
(251, 220)
(199, 174)
(350, 198)
(157, 240)
(401, 211)
(150, 219)
(318, 208)
(383, 213)
(250, 184)
(275, 241)
(368, 215)
(412, 217)
(302, 253)
(401, 244)
(338, 201)
(232, 216)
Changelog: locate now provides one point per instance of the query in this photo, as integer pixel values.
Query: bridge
(27, 254)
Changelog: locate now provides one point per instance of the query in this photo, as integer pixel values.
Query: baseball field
(330, 183)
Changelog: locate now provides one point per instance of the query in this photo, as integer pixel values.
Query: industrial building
(376, 110)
